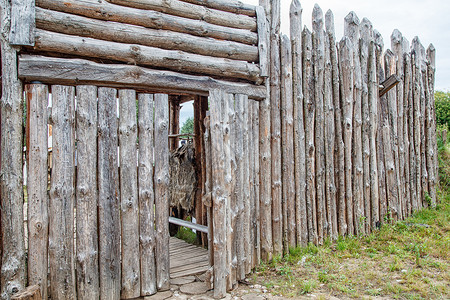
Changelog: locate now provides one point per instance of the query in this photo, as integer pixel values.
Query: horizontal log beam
(53, 70)
(152, 19)
(193, 11)
(132, 34)
(145, 56)
(227, 5)
(179, 222)
(388, 84)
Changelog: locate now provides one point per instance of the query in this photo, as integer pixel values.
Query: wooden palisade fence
(306, 137)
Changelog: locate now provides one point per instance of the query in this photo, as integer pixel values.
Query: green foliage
(442, 108)
(188, 126)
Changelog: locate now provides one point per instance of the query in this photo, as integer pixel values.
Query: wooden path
(186, 259)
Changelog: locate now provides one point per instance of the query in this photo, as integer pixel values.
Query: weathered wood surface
(152, 19)
(256, 256)
(193, 11)
(161, 180)
(406, 101)
(33, 292)
(388, 84)
(22, 23)
(108, 195)
(88, 285)
(77, 71)
(431, 125)
(233, 6)
(409, 132)
(37, 182)
(145, 56)
(129, 206)
(299, 127)
(146, 195)
(246, 184)
(263, 41)
(192, 260)
(208, 189)
(62, 195)
(13, 270)
(132, 34)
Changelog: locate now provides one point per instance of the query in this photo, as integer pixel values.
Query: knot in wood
(129, 203)
(38, 226)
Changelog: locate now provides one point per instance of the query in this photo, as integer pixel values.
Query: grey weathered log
(424, 167)
(144, 55)
(88, 285)
(265, 167)
(338, 215)
(299, 127)
(146, 195)
(106, 11)
(37, 182)
(108, 195)
(161, 180)
(309, 112)
(256, 178)
(13, 269)
(388, 84)
(409, 132)
(287, 138)
(133, 34)
(233, 6)
(208, 189)
(406, 100)
(129, 206)
(263, 41)
(235, 197)
(22, 23)
(246, 263)
(319, 70)
(346, 84)
(62, 195)
(432, 138)
(77, 71)
(193, 11)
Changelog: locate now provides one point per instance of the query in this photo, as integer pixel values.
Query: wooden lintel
(188, 224)
(388, 84)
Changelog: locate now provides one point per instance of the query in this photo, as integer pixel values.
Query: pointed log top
(284, 39)
(416, 42)
(345, 43)
(351, 28)
(396, 37)
(296, 7)
(431, 55)
(389, 53)
(306, 30)
(366, 29)
(352, 19)
(329, 21)
(317, 18)
(378, 38)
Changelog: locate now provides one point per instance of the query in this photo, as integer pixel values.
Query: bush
(442, 100)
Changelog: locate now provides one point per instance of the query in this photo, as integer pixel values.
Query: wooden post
(62, 195)
(161, 179)
(13, 273)
(423, 80)
(309, 111)
(319, 69)
(256, 177)
(432, 141)
(37, 182)
(88, 286)
(299, 127)
(108, 195)
(174, 121)
(22, 23)
(146, 195)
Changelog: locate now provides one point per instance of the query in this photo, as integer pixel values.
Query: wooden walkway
(186, 259)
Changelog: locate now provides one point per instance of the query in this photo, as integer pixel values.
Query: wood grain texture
(22, 23)
(37, 182)
(432, 141)
(263, 41)
(33, 292)
(256, 256)
(233, 6)
(88, 285)
(108, 195)
(62, 195)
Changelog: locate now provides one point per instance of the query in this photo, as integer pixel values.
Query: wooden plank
(193, 11)
(193, 271)
(13, 275)
(389, 84)
(188, 224)
(37, 182)
(88, 285)
(62, 195)
(151, 19)
(78, 71)
(145, 56)
(233, 6)
(132, 34)
(263, 41)
(108, 195)
(161, 179)
(22, 23)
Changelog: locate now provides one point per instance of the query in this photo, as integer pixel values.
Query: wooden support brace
(388, 84)
(30, 293)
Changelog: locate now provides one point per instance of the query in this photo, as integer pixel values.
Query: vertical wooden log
(108, 195)
(198, 164)
(373, 99)
(366, 36)
(174, 121)
(319, 68)
(256, 174)
(128, 194)
(309, 111)
(287, 129)
(146, 195)
(246, 185)
(251, 176)
(161, 180)
(62, 194)
(22, 23)
(88, 286)
(397, 48)
(208, 189)
(203, 107)
(37, 102)
(265, 166)
(423, 134)
(234, 198)
(340, 225)
(346, 84)
(275, 102)
(329, 144)
(299, 127)
(352, 32)
(263, 41)
(239, 186)
(229, 188)
(218, 108)
(13, 273)
(432, 141)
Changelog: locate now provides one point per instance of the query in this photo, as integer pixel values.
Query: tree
(442, 100)
(188, 126)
